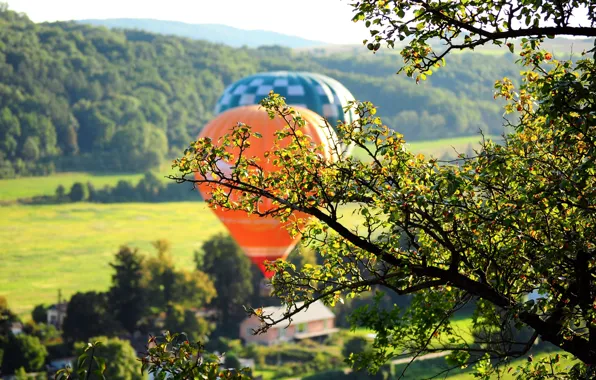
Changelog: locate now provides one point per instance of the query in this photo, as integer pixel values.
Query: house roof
(315, 312)
(313, 334)
(60, 307)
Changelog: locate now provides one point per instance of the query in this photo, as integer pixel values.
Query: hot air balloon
(261, 238)
(319, 93)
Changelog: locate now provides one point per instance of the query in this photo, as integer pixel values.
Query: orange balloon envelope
(261, 238)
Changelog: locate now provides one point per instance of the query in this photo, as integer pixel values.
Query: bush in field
(78, 192)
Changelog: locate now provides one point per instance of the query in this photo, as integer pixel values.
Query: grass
(26, 187)
(69, 247)
(362, 332)
(462, 328)
(510, 375)
(267, 374)
(437, 368)
(437, 148)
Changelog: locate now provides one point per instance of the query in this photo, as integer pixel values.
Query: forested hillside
(77, 97)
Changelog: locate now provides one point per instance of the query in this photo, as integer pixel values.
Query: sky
(321, 20)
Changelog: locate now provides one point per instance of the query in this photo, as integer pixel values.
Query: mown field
(437, 148)
(26, 187)
(508, 374)
(69, 247)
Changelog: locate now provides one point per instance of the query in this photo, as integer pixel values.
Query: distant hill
(210, 32)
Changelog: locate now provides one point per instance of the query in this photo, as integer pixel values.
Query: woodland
(79, 98)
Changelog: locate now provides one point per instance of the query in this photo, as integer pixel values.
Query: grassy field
(564, 363)
(27, 187)
(437, 148)
(69, 247)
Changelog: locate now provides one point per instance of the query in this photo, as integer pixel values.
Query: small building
(56, 314)
(16, 328)
(315, 322)
(247, 363)
(60, 363)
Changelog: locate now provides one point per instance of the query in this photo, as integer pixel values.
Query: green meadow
(437, 148)
(437, 368)
(70, 246)
(510, 368)
(26, 187)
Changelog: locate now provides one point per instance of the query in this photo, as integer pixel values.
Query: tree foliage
(223, 260)
(188, 322)
(147, 294)
(168, 286)
(488, 230)
(355, 345)
(23, 351)
(87, 315)
(127, 296)
(7, 317)
(78, 192)
(466, 25)
(167, 357)
(173, 356)
(39, 314)
(118, 356)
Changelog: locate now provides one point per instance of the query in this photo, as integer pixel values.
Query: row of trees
(76, 97)
(149, 189)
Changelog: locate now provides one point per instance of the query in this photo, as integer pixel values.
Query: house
(16, 328)
(60, 363)
(247, 363)
(315, 322)
(56, 314)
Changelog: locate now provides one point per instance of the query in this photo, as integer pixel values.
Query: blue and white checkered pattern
(318, 93)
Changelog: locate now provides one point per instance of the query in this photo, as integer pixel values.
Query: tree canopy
(23, 351)
(118, 356)
(507, 230)
(223, 260)
(466, 25)
(127, 297)
(88, 315)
